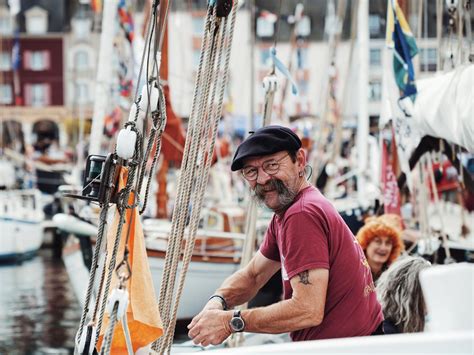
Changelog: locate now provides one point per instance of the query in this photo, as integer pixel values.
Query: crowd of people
(334, 284)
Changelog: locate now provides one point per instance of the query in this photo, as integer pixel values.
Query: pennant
(400, 38)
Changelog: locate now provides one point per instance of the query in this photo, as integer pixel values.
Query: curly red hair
(388, 225)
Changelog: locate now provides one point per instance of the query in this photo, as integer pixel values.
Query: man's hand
(211, 325)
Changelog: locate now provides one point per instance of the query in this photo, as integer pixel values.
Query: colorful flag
(16, 59)
(400, 38)
(96, 5)
(391, 194)
(16, 62)
(126, 20)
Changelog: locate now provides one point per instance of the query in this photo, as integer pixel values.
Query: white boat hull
(19, 238)
(202, 279)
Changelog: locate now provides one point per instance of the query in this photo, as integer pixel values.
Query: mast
(162, 195)
(363, 91)
(104, 75)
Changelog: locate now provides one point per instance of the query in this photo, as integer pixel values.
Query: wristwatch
(237, 324)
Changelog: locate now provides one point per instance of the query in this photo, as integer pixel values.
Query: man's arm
(243, 285)
(237, 289)
(305, 309)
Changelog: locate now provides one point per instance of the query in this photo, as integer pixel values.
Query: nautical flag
(16, 62)
(16, 59)
(126, 20)
(400, 38)
(391, 194)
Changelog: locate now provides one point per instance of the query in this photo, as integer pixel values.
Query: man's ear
(301, 157)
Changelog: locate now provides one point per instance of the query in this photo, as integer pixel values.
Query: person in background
(327, 284)
(399, 292)
(380, 238)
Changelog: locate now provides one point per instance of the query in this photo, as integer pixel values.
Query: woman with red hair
(380, 238)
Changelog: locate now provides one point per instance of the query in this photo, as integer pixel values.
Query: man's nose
(262, 177)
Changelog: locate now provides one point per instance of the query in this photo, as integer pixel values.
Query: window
(37, 60)
(36, 19)
(6, 27)
(303, 27)
(81, 60)
(375, 57)
(37, 95)
(82, 93)
(428, 59)
(6, 94)
(375, 90)
(265, 28)
(5, 61)
(374, 25)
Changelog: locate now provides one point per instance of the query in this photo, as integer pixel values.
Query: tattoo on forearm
(304, 277)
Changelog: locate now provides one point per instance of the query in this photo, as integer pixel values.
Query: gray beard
(286, 196)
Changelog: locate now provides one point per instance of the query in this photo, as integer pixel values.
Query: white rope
(199, 146)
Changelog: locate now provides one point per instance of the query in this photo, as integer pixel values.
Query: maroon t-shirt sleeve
(269, 246)
(305, 243)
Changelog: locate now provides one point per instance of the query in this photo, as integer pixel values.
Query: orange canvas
(143, 317)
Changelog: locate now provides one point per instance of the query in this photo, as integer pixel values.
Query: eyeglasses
(271, 167)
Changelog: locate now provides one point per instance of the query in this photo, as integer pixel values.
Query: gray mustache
(273, 184)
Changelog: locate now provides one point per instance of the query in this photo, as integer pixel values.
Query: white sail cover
(444, 106)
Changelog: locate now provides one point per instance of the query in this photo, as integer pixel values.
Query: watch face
(237, 324)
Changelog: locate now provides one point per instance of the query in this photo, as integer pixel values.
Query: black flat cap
(264, 141)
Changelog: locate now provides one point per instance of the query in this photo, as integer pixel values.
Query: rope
(159, 118)
(176, 222)
(197, 157)
(205, 175)
(154, 139)
(110, 332)
(188, 176)
(174, 241)
(100, 233)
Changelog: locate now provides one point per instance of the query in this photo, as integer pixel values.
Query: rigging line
(203, 172)
(140, 72)
(180, 193)
(277, 30)
(163, 25)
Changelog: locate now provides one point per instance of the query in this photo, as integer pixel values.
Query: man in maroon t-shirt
(328, 287)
